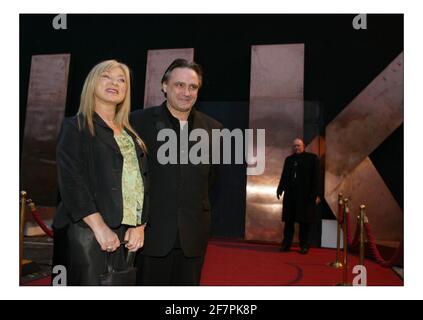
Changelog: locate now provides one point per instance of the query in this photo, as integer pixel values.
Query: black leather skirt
(76, 249)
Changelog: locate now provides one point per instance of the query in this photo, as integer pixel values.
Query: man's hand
(278, 193)
(318, 200)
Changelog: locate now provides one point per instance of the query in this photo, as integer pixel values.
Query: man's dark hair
(182, 63)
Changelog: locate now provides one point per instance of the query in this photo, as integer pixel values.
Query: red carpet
(236, 263)
(39, 282)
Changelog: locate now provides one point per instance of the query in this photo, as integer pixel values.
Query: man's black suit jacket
(179, 193)
(299, 201)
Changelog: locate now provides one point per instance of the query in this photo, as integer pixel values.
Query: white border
(10, 147)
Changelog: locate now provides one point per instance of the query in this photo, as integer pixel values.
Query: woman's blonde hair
(86, 105)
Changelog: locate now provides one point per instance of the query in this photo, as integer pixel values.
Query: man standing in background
(299, 182)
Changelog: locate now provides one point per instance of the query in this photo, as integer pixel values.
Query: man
(179, 225)
(299, 182)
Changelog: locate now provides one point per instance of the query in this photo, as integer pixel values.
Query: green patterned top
(132, 183)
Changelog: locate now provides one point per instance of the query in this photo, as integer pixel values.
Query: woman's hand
(106, 238)
(135, 238)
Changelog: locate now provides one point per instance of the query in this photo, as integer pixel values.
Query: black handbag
(125, 277)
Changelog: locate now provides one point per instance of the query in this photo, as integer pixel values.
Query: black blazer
(90, 174)
(179, 192)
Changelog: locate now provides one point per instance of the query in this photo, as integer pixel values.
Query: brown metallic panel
(317, 146)
(276, 105)
(157, 62)
(364, 185)
(44, 114)
(364, 124)
(356, 132)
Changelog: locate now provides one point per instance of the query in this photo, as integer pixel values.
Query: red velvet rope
(340, 214)
(40, 222)
(396, 258)
(353, 244)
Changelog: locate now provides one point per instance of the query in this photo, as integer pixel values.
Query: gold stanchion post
(21, 230)
(362, 218)
(345, 237)
(337, 263)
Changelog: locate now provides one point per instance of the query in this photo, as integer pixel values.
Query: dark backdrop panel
(229, 196)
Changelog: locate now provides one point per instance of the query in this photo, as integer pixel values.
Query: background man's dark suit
(300, 183)
(180, 215)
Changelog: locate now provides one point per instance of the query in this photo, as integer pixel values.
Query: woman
(102, 177)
